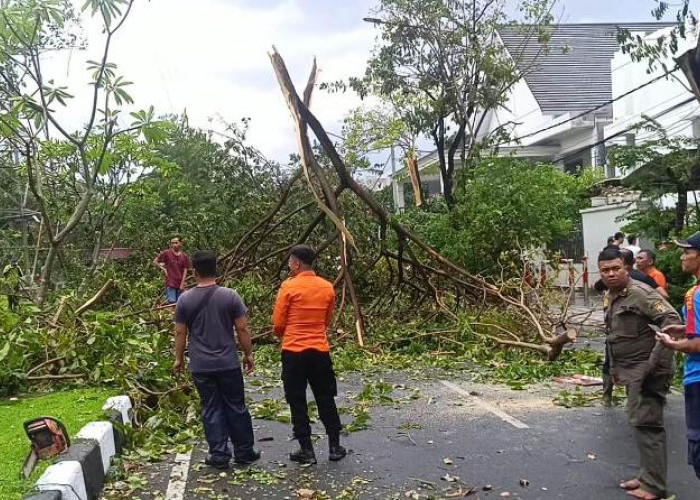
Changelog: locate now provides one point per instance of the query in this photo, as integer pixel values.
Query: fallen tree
(409, 261)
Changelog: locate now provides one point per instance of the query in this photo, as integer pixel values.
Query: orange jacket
(659, 277)
(303, 312)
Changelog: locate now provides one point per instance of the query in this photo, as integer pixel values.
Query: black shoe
(217, 464)
(336, 453)
(248, 458)
(303, 456)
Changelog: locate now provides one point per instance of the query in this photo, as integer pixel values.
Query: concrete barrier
(80, 472)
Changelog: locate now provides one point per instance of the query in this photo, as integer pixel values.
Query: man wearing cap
(644, 366)
(690, 261)
(302, 315)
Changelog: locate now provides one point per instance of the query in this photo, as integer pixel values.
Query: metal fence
(570, 246)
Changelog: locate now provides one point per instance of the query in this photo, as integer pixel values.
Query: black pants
(224, 413)
(315, 369)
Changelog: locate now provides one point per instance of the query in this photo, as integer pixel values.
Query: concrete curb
(80, 472)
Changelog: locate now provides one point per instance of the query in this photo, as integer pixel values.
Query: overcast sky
(209, 57)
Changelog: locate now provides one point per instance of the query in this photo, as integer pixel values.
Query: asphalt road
(429, 441)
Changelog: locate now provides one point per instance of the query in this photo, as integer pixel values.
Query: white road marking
(178, 477)
(486, 406)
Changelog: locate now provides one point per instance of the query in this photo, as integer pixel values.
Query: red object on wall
(114, 253)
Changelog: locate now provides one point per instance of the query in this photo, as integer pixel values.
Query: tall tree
(29, 120)
(660, 167)
(446, 60)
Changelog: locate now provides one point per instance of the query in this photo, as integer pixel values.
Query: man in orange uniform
(302, 314)
(646, 262)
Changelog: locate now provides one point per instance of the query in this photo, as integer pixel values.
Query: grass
(74, 408)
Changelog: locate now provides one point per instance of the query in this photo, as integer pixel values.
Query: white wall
(656, 100)
(521, 108)
(599, 224)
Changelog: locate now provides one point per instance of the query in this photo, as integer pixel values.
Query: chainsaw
(48, 438)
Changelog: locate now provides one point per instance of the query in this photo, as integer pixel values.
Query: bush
(504, 207)
(669, 262)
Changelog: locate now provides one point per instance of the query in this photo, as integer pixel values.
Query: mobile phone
(654, 327)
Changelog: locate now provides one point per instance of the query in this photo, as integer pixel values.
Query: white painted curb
(66, 477)
(103, 433)
(122, 404)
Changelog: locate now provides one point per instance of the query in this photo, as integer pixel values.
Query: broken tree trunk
(95, 298)
(331, 207)
(302, 116)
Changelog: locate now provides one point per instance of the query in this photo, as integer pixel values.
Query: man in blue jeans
(206, 316)
(174, 263)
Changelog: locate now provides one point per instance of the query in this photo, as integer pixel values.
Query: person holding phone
(672, 337)
(644, 366)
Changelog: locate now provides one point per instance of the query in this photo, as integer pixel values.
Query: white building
(583, 97)
(560, 109)
(640, 97)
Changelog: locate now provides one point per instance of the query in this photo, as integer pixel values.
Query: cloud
(210, 58)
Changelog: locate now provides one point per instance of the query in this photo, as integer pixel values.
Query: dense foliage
(100, 189)
(505, 209)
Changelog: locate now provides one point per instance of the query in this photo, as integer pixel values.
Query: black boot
(335, 451)
(305, 454)
(217, 464)
(248, 458)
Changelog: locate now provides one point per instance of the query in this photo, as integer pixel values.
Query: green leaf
(4, 351)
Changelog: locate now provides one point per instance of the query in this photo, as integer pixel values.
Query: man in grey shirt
(205, 316)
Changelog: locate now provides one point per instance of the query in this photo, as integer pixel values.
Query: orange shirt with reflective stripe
(303, 312)
(659, 277)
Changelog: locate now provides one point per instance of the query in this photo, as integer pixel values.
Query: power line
(596, 108)
(538, 110)
(586, 146)
(622, 132)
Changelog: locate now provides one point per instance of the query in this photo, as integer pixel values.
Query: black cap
(692, 242)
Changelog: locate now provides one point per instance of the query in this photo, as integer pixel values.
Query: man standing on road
(690, 261)
(601, 286)
(206, 316)
(174, 263)
(642, 365)
(301, 318)
(646, 262)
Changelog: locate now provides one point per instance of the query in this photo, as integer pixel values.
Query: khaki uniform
(645, 367)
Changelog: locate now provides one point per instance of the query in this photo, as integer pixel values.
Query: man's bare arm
(180, 344)
(183, 283)
(688, 346)
(246, 343)
(160, 265)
